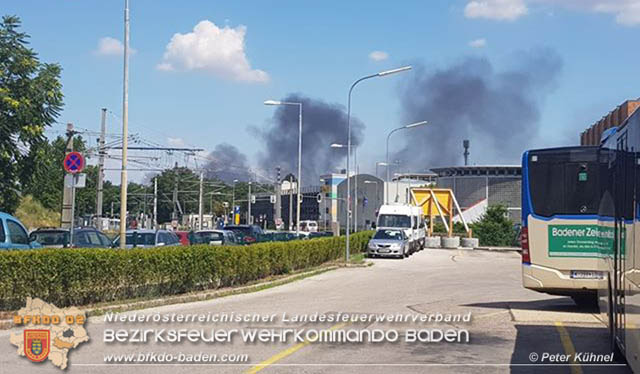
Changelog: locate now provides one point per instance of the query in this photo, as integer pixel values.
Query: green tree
(494, 228)
(43, 175)
(30, 100)
(167, 180)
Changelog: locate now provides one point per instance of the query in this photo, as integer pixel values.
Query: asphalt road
(509, 324)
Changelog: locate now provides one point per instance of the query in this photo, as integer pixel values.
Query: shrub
(494, 228)
(458, 228)
(81, 276)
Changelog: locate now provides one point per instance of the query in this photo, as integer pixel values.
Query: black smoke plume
(498, 111)
(322, 125)
(227, 163)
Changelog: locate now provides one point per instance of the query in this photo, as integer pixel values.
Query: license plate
(383, 251)
(581, 274)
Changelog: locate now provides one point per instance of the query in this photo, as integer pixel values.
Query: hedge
(82, 276)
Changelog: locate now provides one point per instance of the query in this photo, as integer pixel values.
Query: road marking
(288, 352)
(569, 349)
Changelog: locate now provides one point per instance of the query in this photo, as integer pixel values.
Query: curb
(499, 249)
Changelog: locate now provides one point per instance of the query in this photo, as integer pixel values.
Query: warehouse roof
(495, 170)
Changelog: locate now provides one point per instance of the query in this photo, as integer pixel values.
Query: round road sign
(73, 162)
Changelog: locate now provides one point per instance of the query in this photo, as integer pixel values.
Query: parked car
(389, 242)
(13, 234)
(304, 235)
(214, 237)
(146, 238)
(283, 236)
(83, 237)
(406, 217)
(246, 234)
(321, 234)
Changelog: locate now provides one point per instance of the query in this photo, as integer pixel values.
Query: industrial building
(367, 198)
(591, 136)
(477, 187)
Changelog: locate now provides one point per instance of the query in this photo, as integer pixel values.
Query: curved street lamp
(380, 74)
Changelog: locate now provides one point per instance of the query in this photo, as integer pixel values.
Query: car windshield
(389, 235)
(50, 237)
(394, 220)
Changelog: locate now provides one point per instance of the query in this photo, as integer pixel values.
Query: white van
(407, 217)
(421, 232)
(309, 226)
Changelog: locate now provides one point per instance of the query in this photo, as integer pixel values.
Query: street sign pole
(73, 210)
(73, 164)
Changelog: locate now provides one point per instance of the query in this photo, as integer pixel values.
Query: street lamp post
(380, 74)
(299, 197)
(409, 126)
(355, 190)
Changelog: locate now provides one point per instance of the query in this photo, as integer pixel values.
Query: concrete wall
(486, 190)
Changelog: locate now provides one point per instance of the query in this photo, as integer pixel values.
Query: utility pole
(200, 202)
(249, 205)
(101, 154)
(356, 205)
(278, 209)
(290, 202)
(174, 215)
(66, 217)
(299, 194)
(155, 203)
(125, 131)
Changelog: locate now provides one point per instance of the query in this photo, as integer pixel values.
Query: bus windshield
(394, 220)
(565, 181)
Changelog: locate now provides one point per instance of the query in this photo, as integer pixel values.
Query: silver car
(389, 242)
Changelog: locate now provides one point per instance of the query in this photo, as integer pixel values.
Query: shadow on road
(534, 341)
(559, 304)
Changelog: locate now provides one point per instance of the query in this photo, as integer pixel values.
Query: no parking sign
(73, 162)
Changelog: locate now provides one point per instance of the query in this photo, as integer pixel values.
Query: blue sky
(318, 49)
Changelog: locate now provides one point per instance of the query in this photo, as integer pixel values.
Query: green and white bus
(561, 190)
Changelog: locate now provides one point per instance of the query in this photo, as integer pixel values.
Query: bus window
(565, 183)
